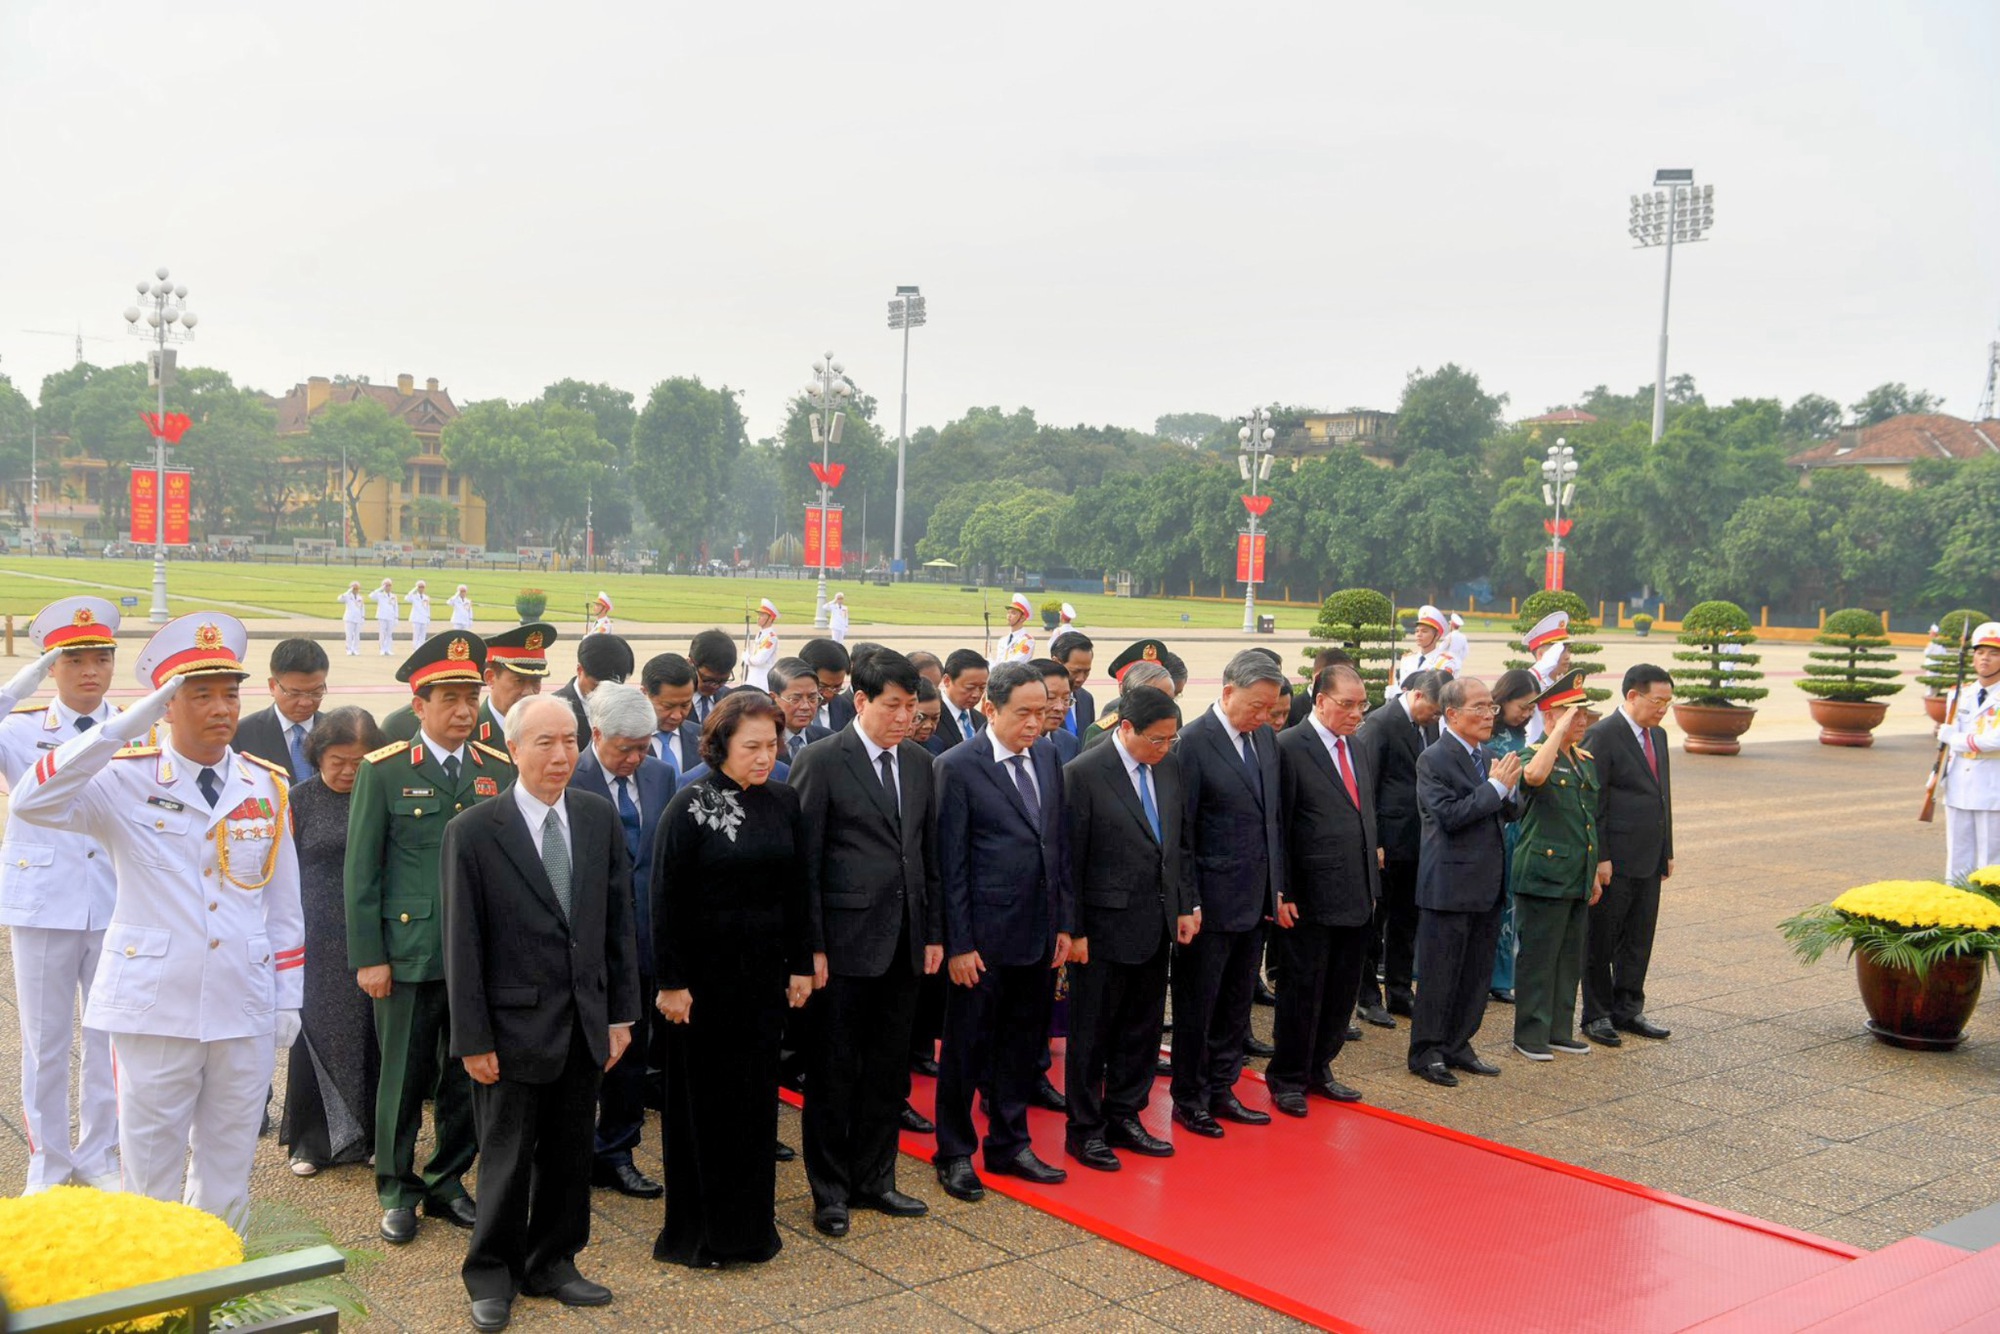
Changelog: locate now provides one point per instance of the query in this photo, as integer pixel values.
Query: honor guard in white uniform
(1429, 655)
(837, 618)
(1457, 645)
(353, 614)
(386, 611)
(1548, 644)
(600, 615)
(202, 971)
(461, 609)
(1017, 645)
(56, 892)
(419, 599)
(1972, 776)
(763, 650)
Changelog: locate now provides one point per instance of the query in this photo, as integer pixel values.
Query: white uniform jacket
(354, 608)
(1015, 646)
(757, 662)
(56, 879)
(461, 613)
(387, 607)
(1972, 782)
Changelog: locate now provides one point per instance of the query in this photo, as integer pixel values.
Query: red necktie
(1646, 744)
(1346, 771)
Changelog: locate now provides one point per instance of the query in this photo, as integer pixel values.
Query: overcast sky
(1115, 211)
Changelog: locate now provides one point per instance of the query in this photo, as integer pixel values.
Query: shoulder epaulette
(29, 708)
(393, 748)
(135, 752)
(1584, 754)
(499, 755)
(263, 763)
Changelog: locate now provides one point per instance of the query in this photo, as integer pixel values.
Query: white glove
(286, 1031)
(136, 721)
(1960, 743)
(29, 679)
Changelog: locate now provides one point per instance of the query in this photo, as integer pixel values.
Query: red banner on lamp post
(1249, 558)
(1552, 569)
(832, 532)
(146, 511)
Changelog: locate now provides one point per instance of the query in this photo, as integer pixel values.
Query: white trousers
(386, 638)
(1971, 840)
(182, 1095)
(353, 636)
(419, 632)
(52, 969)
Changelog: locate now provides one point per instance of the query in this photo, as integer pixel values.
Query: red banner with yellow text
(146, 509)
(831, 532)
(1249, 558)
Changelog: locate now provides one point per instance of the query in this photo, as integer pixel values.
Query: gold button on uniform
(212, 907)
(131, 950)
(214, 943)
(404, 918)
(159, 824)
(23, 863)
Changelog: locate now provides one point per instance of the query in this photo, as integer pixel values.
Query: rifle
(746, 639)
(1950, 716)
(986, 615)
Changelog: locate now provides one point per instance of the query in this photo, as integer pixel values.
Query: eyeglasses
(1478, 708)
(1161, 742)
(796, 697)
(314, 695)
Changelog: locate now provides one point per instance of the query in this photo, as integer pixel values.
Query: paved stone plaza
(1769, 1099)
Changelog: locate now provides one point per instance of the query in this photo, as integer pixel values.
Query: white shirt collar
(1132, 764)
(1327, 738)
(436, 751)
(285, 725)
(68, 716)
(1470, 747)
(1000, 750)
(536, 812)
(875, 752)
(1637, 731)
(1235, 737)
(1404, 700)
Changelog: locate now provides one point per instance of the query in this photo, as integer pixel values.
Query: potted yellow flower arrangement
(1920, 949)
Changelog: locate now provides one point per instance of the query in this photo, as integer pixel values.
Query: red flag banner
(1558, 527)
(830, 473)
(1257, 504)
(180, 507)
(169, 428)
(145, 506)
(1249, 558)
(814, 532)
(1552, 569)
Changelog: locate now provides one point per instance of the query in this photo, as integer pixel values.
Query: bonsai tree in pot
(1714, 692)
(1846, 679)
(1362, 623)
(1947, 660)
(1540, 604)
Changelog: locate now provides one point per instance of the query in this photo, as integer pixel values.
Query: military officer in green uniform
(516, 662)
(1555, 876)
(403, 797)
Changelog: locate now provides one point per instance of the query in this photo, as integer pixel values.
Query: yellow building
(431, 506)
(1372, 434)
(1886, 450)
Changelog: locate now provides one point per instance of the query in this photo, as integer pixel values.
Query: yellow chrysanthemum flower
(1920, 903)
(1987, 877)
(73, 1242)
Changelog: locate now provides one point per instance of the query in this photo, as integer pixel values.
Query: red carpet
(1361, 1219)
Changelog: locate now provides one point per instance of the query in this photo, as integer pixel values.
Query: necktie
(1250, 765)
(84, 722)
(702, 704)
(1069, 721)
(628, 815)
(964, 723)
(451, 768)
(1978, 703)
(792, 747)
(1027, 786)
(1346, 771)
(888, 769)
(555, 859)
(1146, 800)
(1646, 744)
(297, 746)
(210, 785)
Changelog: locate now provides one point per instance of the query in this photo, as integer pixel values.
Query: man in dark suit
(965, 674)
(1235, 844)
(277, 735)
(1331, 883)
(1055, 731)
(621, 767)
(867, 813)
(668, 680)
(1465, 798)
(797, 695)
(1075, 651)
(1635, 818)
(542, 972)
(1004, 873)
(828, 662)
(924, 727)
(1134, 902)
(1388, 743)
(599, 657)
(713, 654)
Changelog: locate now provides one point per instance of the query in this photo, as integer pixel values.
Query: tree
(242, 477)
(1892, 399)
(1771, 551)
(372, 441)
(1813, 417)
(1187, 429)
(93, 412)
(16, 416)
(684, 450)
(1447, 411)
(535, 464)
(612, 409)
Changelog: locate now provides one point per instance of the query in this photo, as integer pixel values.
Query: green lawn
(252, 591)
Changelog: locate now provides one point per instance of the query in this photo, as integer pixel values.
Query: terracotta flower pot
(1847, 722)
(1926, 1015)
(1934, 706)
(1713, 729)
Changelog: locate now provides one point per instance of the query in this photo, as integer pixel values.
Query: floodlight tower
(1679, 214)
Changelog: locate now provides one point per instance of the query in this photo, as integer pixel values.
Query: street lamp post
(828, 392)
(1558, 490)
(1680, 214)
(906, 312)
(165, 311)
(1254, 437)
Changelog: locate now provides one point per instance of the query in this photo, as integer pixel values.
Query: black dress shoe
(576, 1292)
(1377, 1016)
(959, 1180)
(1353, 1033)
(399, 1226)
(1333, 1091)
(492, 1313)
(831, 1220)
(1226, 1107)
(1127, 1133)
(784, 1152)
(1437, 1074)
(924, 1065)
(1255, 1046)
(1601, 1032)
(1049, 1096)
(915, 1121)
(626, 1180)
(1291, 1104)
(1163, 1069)
(891, 1202)
(1505, 995)
(1094, 1153)
(1264, 995)
(459, 1211)
(1198, 1120)
(1030, 1168)
(1400, 1005)
(1640, 1026)
(1475, 1066)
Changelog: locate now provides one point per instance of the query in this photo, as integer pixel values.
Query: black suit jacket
(520, 975)
(575, 701)
(1083, 708)
(1390, 743)
(689, 735)
(1234, 836)
(1130, 887)
(263, 734)
(948, 725)
(1635, 812)
(839, 711)
(871, 869)
(654, 786)
(1330, 871)
(1463, 865)
(1005, 880)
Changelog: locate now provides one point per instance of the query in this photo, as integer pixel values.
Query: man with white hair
(461, 609)
(419, 599)
(619, 764)
(387, 612)
(353, 614)
(836, 618)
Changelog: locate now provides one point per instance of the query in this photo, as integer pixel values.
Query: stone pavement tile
(729, 1301)
(1012, 1297)
(924, 1255)
(1941, 1153)
(1110, 1271)
(613, 1213)
(1746, 1199)
(1669, 1165)
(1599, 1128)
(1197, 1308)
(1818, 1187)
(1671, 1115)
(1913, 1211)
(1975, 1118)
(904, 1313)
(812, 1275)
(1842, 1114)
(1742, 1090)
(1862, 1230)
(1936, 1086)
(1014, 1227)
(1964, 1191)
(1904, 1171)
(1106, 1320)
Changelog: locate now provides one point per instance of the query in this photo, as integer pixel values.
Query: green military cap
(1145, 650)
(1565, 689)
(455, 655)
(524, 649)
